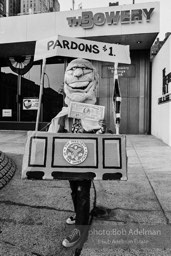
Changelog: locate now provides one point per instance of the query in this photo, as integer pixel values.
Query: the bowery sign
(88, 19)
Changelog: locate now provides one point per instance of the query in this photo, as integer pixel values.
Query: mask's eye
(86, 68)
(73, 68)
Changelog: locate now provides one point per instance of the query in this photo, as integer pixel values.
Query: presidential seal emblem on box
(75, 152)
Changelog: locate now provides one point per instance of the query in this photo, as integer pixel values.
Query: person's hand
(102, 123)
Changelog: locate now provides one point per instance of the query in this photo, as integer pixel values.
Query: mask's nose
(78, 72)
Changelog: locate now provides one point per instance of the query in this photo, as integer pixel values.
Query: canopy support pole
(19, 98)
(40, 94)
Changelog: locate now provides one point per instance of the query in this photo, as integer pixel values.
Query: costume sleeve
(54, 126)
(55, 123)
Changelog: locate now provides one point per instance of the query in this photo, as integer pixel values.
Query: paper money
(86, 111)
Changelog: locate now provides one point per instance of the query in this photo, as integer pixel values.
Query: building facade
(135, 25)
(39, 6)
(2, 8)
(12, 7)
(161, 92)
(54, 6)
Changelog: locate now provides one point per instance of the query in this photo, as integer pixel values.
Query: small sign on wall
(166, 90)
(30, 103)
(6, 112)
(127, 71)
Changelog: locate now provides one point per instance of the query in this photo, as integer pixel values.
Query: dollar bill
(86, 111)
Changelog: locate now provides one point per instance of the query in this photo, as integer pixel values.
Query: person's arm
(61, 123)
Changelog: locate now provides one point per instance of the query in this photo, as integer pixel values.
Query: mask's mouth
(79, 86)
(80, 92)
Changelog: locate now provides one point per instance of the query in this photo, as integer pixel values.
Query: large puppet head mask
(80, 82)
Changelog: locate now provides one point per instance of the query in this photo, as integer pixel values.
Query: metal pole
(7, 8)
(19, 98)
(40, 94)
(73, 4)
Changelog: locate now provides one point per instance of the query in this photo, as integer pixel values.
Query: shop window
(19, 94)
(8, 92)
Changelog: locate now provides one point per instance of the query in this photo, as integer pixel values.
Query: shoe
(71, 220)
(72, 239)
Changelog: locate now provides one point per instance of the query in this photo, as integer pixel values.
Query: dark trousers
(81, 200)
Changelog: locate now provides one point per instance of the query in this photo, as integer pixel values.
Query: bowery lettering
(89, 20)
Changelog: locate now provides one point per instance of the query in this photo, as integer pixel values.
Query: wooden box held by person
(74, 156)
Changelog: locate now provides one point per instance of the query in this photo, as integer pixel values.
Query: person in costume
(80, 83)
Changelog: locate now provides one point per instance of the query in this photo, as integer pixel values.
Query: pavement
(137, 219)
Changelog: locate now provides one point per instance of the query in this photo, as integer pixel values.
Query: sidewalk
(33, 213)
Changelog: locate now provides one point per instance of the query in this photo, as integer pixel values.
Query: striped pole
(116, 100)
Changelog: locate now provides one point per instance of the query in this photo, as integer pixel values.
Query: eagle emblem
(75, 152)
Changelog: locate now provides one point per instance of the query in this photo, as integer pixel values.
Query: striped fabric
(116, 102)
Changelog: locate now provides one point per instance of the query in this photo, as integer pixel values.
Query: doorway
(135, 92)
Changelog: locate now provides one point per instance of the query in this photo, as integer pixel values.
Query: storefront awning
(134, 25)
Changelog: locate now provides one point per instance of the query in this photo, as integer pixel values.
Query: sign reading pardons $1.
(79, 48)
